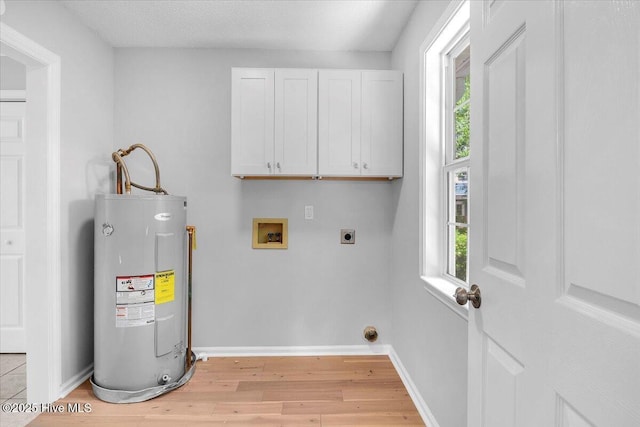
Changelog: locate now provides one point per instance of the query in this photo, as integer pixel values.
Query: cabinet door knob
(355, 165)
(278, 165)
(269, 165)
(366, 166)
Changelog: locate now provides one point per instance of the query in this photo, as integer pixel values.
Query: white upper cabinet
(252, 107)
(305, 123)
(274, 122)
(296, 122)
(381, 126)
(339, 113)
(360, 123)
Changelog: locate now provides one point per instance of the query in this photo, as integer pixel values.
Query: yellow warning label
(165, 286)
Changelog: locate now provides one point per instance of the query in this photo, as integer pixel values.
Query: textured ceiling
(344, 25)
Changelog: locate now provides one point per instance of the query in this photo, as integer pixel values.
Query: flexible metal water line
(121, 167)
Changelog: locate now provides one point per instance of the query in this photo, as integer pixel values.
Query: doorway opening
(12, 255)
(42, 236)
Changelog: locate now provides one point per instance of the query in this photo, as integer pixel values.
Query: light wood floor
(264, 391)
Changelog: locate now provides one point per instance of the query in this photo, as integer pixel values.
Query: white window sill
(443, 290)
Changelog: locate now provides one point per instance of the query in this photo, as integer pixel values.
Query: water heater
(141, 296)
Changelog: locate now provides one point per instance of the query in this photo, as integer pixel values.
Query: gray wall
(86, 141)
(14, 74)
(318, 292)
(430, 339)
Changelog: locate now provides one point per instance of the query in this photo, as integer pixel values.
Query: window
(444, 155)
(457, 91)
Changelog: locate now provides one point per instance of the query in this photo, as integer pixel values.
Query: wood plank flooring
(263, 391)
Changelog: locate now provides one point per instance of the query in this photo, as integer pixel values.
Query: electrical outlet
(347, 237)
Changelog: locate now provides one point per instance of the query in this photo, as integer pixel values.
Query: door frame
(44, 333)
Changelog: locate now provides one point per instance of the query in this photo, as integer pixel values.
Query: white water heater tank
(140, 295)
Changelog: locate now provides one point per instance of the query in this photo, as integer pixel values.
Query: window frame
(448, 34)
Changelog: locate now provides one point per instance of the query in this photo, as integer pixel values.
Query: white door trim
(44, 344)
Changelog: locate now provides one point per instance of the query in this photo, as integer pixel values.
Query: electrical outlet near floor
(347, 236)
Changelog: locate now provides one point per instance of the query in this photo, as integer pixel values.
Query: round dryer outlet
(347, 237)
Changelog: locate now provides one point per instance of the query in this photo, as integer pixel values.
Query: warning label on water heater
(134, 283)
(135, 315)
(135, 301)
(165, 286)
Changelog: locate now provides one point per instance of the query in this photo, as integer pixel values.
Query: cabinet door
(381, 147)
(339, 122)
(296, 122)
(252, 102)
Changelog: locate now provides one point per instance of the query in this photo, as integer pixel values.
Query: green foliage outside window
(461, 254)
(463, 120)
(462, 125)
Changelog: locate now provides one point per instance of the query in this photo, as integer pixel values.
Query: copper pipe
(191, 230)
(117, 157)
(118, 178)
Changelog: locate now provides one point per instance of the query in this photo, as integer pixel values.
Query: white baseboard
(331, 350)
(338, 350)
(421, 405)
(75, 381)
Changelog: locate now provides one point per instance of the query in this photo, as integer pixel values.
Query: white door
(339, 115)
(381, 147)
(12, 227)
(555, 219)
(252, 103)
(296, 122)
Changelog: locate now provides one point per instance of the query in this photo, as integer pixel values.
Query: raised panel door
(12, 228)
(555, 241)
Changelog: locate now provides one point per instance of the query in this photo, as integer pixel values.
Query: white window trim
(452, 25)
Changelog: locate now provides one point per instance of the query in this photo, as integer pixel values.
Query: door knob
(473, 295)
